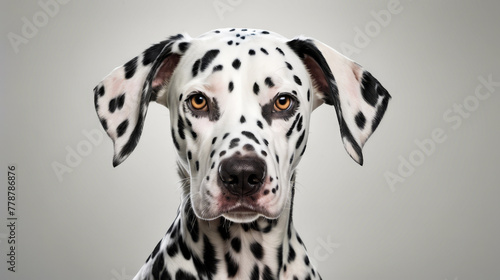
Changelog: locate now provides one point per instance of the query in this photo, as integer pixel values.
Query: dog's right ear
(122, 98)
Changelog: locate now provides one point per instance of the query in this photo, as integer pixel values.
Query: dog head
(240, 102)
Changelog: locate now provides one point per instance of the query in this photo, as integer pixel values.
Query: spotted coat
(240, 101)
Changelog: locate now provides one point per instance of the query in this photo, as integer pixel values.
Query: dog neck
(262, 249)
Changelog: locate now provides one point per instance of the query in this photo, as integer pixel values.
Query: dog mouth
(244, 213)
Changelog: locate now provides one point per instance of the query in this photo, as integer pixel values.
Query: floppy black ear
(122, 98)
(359, 99)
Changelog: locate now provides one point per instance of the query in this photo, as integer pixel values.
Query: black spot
(101, 91)
(280, 51)
(250, 136)
(289, 132)
(277, 159)
(242, 38)
(184, 275)
(213, 165)
(116, 103)
(267, 273)
(245, 227)
(217, 68)
(273, 190)
(248, 148)
(288, 65)
(244, 29)
(165, 275)
(308, 277)
(371, 89)
(193, 228)
(183, 46)
(230, 86)
(200, 267)
(299, 124)
(236, 244)
(152, 52)
(303, 150)
(291, 159)
(196, 66)
(255, 88)
(120, 100)
(265, 32)
(112, 105)
(289, 227)
(158, 266)
(214, 140)
(236, 64)
(360, 120)
(217, 31)
(306, 260)
(257, 250)
(380, 112)
(186, 253)
(212, 154)
(238, 35)
(263, 153)
(234, 143)
(180, 97)
(269, 82)
(232, 30)
(291, 254)
(301, 138)
(224, 231)
(264, 51)
(120, 130)
(259, 124)
(222, 153)
(197, 163)
(172, 249)
(193, 134)
(209, 259)
(230, 42)
(251, 52)
(308, 95)
(130, 68)
(266, 142)
(225, 136)
(155, 251)
(232, 266)
(297, 80)
(208, 58)
(242, 119)
(255, 273)
(299, 239)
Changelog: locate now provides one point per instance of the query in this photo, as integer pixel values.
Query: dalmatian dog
(240, 102)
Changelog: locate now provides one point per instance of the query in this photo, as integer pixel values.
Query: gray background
(439, 221)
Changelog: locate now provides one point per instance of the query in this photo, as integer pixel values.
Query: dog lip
(242, 209)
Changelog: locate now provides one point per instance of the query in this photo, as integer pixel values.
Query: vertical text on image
(454, 117)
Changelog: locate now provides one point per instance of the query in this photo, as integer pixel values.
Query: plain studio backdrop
(425, 205)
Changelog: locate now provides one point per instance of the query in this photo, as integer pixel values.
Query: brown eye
(199, 102)
(282, 103)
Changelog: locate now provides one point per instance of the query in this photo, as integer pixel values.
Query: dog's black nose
(242, 175)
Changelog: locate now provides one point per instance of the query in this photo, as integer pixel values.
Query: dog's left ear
(359, 99)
